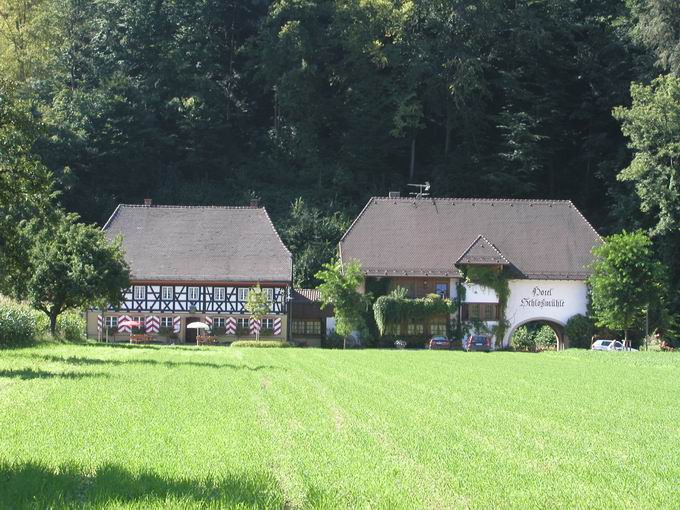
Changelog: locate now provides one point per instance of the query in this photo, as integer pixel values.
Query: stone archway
(556, 326)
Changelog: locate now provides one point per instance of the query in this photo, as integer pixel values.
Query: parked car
(477, 343)
(439, 342)
(609, 345)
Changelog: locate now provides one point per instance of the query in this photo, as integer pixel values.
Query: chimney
(148, 202)
(395, 194)
(254, 202)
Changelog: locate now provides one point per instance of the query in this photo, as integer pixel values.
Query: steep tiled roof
(482, 252)
(426, 237)
(200, 243)
(306, 296)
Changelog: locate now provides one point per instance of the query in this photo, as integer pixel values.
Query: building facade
(428, 246)
(196, 264)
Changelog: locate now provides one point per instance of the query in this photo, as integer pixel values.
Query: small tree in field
(257, 305)
(626, 279)
(340, 289)
(73, 266)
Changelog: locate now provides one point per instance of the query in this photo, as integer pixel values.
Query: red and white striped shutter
(254, 326)
(152, 324)
(209, 320)
(100, 323)
(277, 326)
(177, 324)
(123, 324)
(230, 325)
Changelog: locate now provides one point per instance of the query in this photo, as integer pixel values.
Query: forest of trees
(332, 101)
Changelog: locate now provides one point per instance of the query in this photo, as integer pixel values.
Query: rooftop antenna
(423, 190)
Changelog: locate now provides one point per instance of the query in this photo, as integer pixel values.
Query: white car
(610, 345)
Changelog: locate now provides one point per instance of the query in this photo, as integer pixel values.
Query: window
(306, 327)
(111, 322)
(414, 328)
(218, 322)
(140, 292)
(480, 311)
(193, 293)
(141, 322)
(166, 322)
(242, 323)
(270, 294)
(243, 294)
(167, 293)
(442, 289)
(438, 329)
(392, 329)
(218, 295)
(267, 323)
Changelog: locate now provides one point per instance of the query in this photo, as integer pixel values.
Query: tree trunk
(625, 339)
(412, 168)
(53, 321)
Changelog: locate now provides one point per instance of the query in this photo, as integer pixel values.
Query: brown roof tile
(426, 237)
(200, 243)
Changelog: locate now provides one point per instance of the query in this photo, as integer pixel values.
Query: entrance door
(190, 336)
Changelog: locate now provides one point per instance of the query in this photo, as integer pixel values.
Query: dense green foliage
(72, 266)
(626, 281)
(579, 329)
(532, 338)
(523, 340)
(396, 308)
(71, 327)
(93, 427)
(336, 100)
(19, 323)
(339, 288)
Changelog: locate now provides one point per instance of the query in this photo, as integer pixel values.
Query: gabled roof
(187, 243)
(481, 251)
(547, 239)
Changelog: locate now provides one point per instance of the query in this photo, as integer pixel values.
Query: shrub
(545, 338)
(332, 341)
(261, 343)
(71, 327)
(579, 330)
(19, 323)
(523, 340)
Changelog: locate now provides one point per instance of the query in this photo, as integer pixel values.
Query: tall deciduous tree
(627, 279)
(652, 125)
(26, 185)
(73, 266)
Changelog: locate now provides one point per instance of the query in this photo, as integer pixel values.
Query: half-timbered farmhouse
(197, 264)
(425, 245)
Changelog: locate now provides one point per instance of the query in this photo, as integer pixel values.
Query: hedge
(261, 343)
(19, 323)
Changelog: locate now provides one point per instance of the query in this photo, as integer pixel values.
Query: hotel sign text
(542, 298)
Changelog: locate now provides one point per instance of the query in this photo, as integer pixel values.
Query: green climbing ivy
(396, 307)
(497, 280)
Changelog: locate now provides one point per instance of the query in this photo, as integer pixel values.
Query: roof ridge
(276, 233)
(171, 206)
(112, 217)
(474, 199)
(578, 211)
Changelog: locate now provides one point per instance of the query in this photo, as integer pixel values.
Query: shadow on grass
(29, 373)
(79, 360)
(32, 485)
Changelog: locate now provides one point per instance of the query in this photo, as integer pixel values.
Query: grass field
(165, 427)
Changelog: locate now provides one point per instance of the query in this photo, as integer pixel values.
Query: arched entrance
(557, 327)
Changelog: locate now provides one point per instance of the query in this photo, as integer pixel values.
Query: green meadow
(93, 426)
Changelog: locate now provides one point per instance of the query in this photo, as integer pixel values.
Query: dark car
(439, 342)
(477, 343)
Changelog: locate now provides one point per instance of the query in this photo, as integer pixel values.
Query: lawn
(166, 427)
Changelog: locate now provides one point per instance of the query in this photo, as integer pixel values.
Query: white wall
(555, 300)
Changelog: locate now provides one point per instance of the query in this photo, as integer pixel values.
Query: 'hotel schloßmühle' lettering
(542, 298)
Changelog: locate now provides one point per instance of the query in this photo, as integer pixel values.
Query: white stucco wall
(555, 300)
(478, 294)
